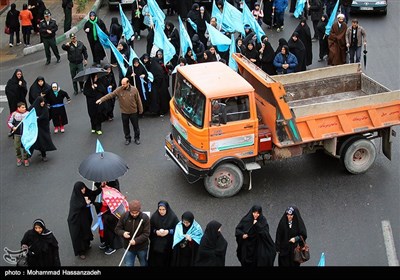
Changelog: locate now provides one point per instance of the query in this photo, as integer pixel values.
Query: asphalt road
(343, 213)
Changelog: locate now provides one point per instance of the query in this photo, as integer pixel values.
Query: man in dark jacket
(128, 224)
(67, 6)
(77, 57)
(47, 29)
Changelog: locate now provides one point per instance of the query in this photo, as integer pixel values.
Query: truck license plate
(366, 8)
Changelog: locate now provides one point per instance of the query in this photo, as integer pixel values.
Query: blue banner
(331, 19)
(103, 38)
(126, 25)
(29, 130)
(218, 39)
(248, 18)
(232, 19)
(99, 147)
(232, 62)
(216, 13)
(162, 42)
(184, 38)
(156, 14)
(119, 57)
(299, 8)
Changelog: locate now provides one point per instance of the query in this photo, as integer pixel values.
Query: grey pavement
(8, 53)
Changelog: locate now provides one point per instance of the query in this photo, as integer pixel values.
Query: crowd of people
(162, 239)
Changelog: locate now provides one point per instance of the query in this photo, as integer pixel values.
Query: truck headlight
(200, 156)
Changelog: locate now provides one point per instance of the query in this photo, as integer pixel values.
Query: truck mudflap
(192, 173)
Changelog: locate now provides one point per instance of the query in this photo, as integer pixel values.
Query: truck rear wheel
(226, 181)
(358, 156)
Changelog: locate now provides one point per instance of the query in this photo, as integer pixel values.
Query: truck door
(232, 128)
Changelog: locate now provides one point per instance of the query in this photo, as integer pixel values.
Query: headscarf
(93, 22)
(54, 84)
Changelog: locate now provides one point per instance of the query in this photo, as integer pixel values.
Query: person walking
(77, 57)
(26, 21)
(55, 98)
(322, 38)
(356, 37)
(42, 246)
(285, 62)
(13, 123)
(187, 236)
(97, 49)
(255, 245)
(110, 84)
(162, 228)
(43, 141)
(47, 29)
(16, 90)
(80, 218)
(38, 88)
(337, 42)
(12, 22)
(212, 249)
(130, 107)
(67, 7)
(127, 225)
(290, 231)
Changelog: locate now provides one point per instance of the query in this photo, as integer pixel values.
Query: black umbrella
(365, 57)
(102, 167)
(85, 73)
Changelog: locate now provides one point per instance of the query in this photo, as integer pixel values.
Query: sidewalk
(8, 53)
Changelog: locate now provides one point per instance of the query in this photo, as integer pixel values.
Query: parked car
(113, 4)
(376, 6)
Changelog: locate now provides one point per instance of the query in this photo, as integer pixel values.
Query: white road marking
(2, 87)
(1, 109)
(3, 98)
(389, 244)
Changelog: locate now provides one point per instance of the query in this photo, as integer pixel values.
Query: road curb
(64, 36)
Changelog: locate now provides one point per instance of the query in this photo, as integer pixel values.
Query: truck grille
(181, 141)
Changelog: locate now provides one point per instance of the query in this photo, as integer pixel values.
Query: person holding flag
(14, 123)
(93, 38)
(137, 17)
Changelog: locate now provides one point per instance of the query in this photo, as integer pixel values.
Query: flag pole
(129, 245)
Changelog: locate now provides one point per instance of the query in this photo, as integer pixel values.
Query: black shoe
(127, 142)
(58, 60)
(75, 93)
(47, 62)
(137, 141)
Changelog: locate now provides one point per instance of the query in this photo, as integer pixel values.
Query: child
(258, 13)
(55, 98)
(15, 118)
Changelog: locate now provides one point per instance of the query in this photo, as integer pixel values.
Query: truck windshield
(190, 102)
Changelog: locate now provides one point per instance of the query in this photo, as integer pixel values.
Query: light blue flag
(157, 15)
(322, 260)
(232, 62)
(331, 19)
(218, 39)
(130, 62)
(232, 19)
(103, 38)
(162, 42)
(299, 8)
(126, 25)
(119, 57)
(99, 147)
(215, 12)
(248, 18)
(132, 55)
(29, 130)
(184, 39)
(192, 24)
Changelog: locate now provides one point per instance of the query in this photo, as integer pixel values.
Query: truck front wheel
(226, 181)
(358, 156)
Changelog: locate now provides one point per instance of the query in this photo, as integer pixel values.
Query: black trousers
(134, 119)
(50, 43)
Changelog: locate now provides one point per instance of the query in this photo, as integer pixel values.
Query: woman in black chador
(162, 228)
(16, 90)
(43, 142)
(212, 249)
(93, 38)
(80, 218)
(255, 245)
(138, 77)
(38, 88)
(43, 246)
(288, 234)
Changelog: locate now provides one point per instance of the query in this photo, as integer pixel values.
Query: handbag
(22, 260)
(7, 30)
(301, 253)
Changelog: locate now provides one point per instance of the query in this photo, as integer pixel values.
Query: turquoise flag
(162, 42)
(29, 130)
(218, 39)
(119, 57)
(232, 19)
(194, 26)
(184, 39)
(126, 25)
(299, 8)
(103, 38)
(157, 15)
(331, 19)
(130, 62)
(99, 147)
(248, 18)
(322, 260)
(232, 62)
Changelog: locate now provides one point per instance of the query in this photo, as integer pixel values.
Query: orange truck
(226, 124)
